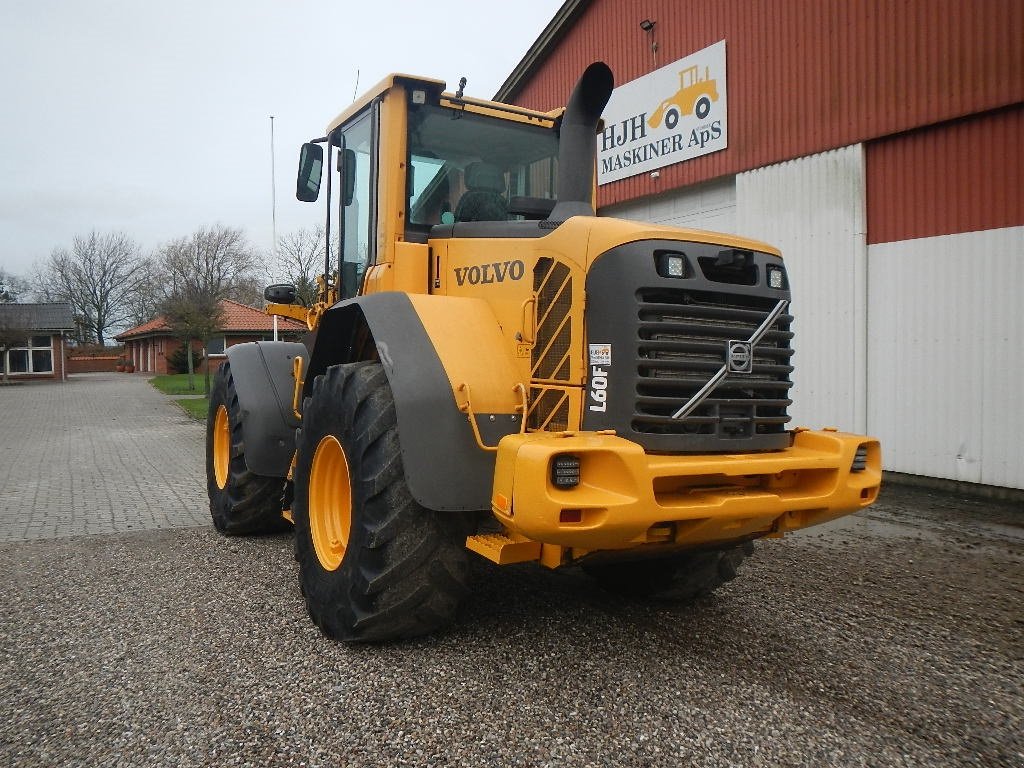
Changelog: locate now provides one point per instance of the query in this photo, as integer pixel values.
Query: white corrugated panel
(704, 206)
(946, 355)
(812, 209)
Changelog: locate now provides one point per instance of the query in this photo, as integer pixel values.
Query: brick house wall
(150, 354)
(57, 351)
(92, 364)
(149, 346)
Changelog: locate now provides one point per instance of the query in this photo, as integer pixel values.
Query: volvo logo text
(496, 272)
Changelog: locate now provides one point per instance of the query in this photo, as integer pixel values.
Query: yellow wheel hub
(330, 503)
(221, 446)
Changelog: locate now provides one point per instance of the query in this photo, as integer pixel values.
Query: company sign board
(673, 114)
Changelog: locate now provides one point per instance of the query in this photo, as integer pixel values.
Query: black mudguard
(444, 467)
(262, 373)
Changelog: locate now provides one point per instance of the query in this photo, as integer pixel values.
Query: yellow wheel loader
(493, 369)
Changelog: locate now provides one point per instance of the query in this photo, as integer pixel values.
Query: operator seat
(484, 199)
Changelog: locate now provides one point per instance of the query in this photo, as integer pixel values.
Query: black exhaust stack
(577, 145)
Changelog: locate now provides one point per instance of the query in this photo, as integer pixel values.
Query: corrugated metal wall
(946, 355)
(813, 210)
(955, 177)
(804, 75)
(704, 206)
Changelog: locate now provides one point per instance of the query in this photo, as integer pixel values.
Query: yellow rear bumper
(627, 498)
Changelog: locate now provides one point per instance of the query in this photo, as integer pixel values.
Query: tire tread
(405, 570)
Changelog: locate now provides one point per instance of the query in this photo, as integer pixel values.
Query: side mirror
(281, 293)
(311, 163)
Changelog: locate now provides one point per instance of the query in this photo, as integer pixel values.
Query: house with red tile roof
(149, 346)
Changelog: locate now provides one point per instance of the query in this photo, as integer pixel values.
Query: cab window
(358, 248)
(469, 167)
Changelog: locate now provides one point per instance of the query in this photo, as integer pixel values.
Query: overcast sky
(152, 118)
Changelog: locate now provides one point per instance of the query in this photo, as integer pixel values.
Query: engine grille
(663, 347)
(681, 343)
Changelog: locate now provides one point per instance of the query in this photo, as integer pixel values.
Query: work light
(565, 471)
(672, 265)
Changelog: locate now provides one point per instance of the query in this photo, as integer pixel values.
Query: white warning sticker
(600, 354)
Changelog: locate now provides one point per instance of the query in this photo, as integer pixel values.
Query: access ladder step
(502, 549)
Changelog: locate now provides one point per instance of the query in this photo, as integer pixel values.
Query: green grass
(177, 384)
(195, 407)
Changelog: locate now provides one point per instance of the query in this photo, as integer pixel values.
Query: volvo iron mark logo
(740, 356)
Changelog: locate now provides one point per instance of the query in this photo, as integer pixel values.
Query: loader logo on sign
(673, 114)
(695, 96)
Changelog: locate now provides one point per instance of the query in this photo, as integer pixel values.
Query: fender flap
(262, 374)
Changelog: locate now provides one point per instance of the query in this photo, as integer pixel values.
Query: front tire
(374, 565)
(672, 118)
(680, 577)
(241, 502)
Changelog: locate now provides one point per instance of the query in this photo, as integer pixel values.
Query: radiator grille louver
(549, 409)
(681, 339)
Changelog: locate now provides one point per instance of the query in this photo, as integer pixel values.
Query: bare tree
(197, 272)
(212, 262)
(143, 304)
(99, 277)
(300, 258)
(192, 316)
(12, 287)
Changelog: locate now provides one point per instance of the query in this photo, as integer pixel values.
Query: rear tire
(373, 564)
(241, 502)
(680, 577)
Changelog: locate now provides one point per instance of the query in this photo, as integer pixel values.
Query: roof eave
(548, 38)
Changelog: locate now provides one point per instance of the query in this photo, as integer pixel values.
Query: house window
(215, 346)
(42, 361)
(17, 361)
(34, 356)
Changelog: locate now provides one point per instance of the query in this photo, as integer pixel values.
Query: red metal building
(881, 146)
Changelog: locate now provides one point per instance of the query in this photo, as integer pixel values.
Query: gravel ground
(893, 638)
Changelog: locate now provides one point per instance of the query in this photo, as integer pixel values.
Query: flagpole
(273, 203)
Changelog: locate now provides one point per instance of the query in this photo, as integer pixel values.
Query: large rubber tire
(681, 577)
(241, 502)
(397, 570)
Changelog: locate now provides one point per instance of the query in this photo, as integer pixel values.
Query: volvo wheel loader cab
(493, 369)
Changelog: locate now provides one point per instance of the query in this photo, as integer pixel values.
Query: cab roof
(428, 84)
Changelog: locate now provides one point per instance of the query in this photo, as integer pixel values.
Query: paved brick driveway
(99, 453)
